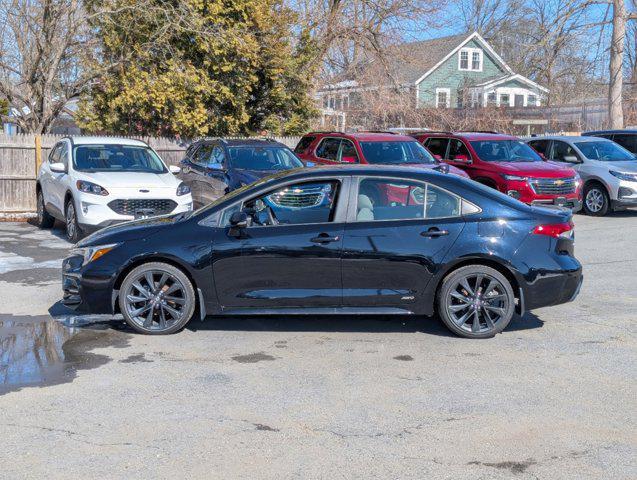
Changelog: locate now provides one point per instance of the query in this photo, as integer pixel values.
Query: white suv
(93, 182)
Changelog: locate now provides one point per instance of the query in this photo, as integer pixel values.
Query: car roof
(243, 142)
(601, 132)
(568, 138)
(366, 136)
(106, 141)
(469, 136)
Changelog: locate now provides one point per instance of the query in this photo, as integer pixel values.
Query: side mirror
(442, 167)
(571, 159)
(238, 222)
(57, 167)
(174, 169)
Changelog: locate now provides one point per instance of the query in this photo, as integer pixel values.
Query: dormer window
(470, 60)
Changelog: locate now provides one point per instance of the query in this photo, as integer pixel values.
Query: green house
(457, 71)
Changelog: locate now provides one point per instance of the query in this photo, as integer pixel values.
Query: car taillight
(555, 230)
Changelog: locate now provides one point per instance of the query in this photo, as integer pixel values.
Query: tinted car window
(395, 152)
(505, 151)
(203, 155)
(114, 158)
(561, 150)
(348, 152)
(437, 146)
(303, 144)
(54, 156)
(629, 142)
(458, 149)
(263, 158)
(295, 204)
(540, 146)
(328, 148)
(384, 199)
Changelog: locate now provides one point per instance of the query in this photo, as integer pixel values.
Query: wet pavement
(553, 397)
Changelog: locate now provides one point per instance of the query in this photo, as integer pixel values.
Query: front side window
(116, 158)
(604, 151)
(264, 159)
(203, 155)
(396, 153)
(505, 151)
(562, 150)
(303, 203)
(388, 199)
(348, 152)
(328, 149)
(438, 146)
(54, 156)
(458, 151)
(218, 156)
(540, 146)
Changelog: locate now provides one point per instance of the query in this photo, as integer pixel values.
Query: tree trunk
(615, 109)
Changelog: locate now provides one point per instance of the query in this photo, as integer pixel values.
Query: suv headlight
(517, 178)
(183, 189)
(93, 253)
(631, 177)
(90, 187)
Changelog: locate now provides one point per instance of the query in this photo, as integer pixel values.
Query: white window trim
(470, 52)
(448, 92)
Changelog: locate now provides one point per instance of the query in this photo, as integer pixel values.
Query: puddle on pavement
(40, 351)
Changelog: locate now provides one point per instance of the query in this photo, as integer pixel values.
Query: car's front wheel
(596, 201)
(157, 299)
(476, 301)
(73, 231)
(44, 219)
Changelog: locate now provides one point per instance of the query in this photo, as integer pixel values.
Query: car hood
(133, 230)
(127, 180)
(626, 167)
(246, 176)
(536, 169)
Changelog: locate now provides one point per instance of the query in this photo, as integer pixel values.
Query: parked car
(448, 244)
(626, 138)
(93, 182)
(609, 171)
(507, 164)
(214, 167)
(374, 148)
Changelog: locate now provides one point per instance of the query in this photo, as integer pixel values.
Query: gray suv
(608, 170)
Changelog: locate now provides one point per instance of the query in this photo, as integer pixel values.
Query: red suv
(507, 164)
(366, 147)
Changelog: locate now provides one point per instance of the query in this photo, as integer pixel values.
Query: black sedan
(311, 241)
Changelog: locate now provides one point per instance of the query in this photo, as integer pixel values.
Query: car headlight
(631, 177)
(93, 253)
(517, 178)
(578, 181)
(90, 187)
(183, 189)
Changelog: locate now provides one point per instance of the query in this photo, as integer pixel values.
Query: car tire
(44, 219)
(73, 230)
(476, 301)
(162, 308)
(596, 201)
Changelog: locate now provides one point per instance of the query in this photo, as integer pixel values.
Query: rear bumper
(552, 288)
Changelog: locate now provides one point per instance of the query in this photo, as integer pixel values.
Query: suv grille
(298, 197)
(553, 186)
(132, 206)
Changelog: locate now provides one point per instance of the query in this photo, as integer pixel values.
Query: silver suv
(608, 170)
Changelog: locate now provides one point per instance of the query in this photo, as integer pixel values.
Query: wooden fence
(20, 156)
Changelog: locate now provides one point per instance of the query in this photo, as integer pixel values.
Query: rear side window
(303, 144)
(385, 199)
(437, 146)
(629, 142)
(328, 149)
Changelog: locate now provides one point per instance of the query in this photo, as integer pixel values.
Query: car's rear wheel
(44, 219)
(476, 301)
(157, 299)
(596, 201)
(73, 231)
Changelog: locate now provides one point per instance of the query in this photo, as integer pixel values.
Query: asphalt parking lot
(553, 397)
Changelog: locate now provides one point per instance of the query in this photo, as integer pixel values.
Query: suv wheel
(73, 231)
(44, 219)
(596, 201)
(476, 302)
(157, 299)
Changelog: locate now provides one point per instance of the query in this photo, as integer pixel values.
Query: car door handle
(325, 238)
(434, 232)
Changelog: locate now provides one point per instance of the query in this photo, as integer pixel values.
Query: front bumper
(572, 204)
(87, 293)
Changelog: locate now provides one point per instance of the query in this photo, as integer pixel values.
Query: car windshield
(116, 158)
(505, 151)
(396, 152)
(263, 158)
(604, 151)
